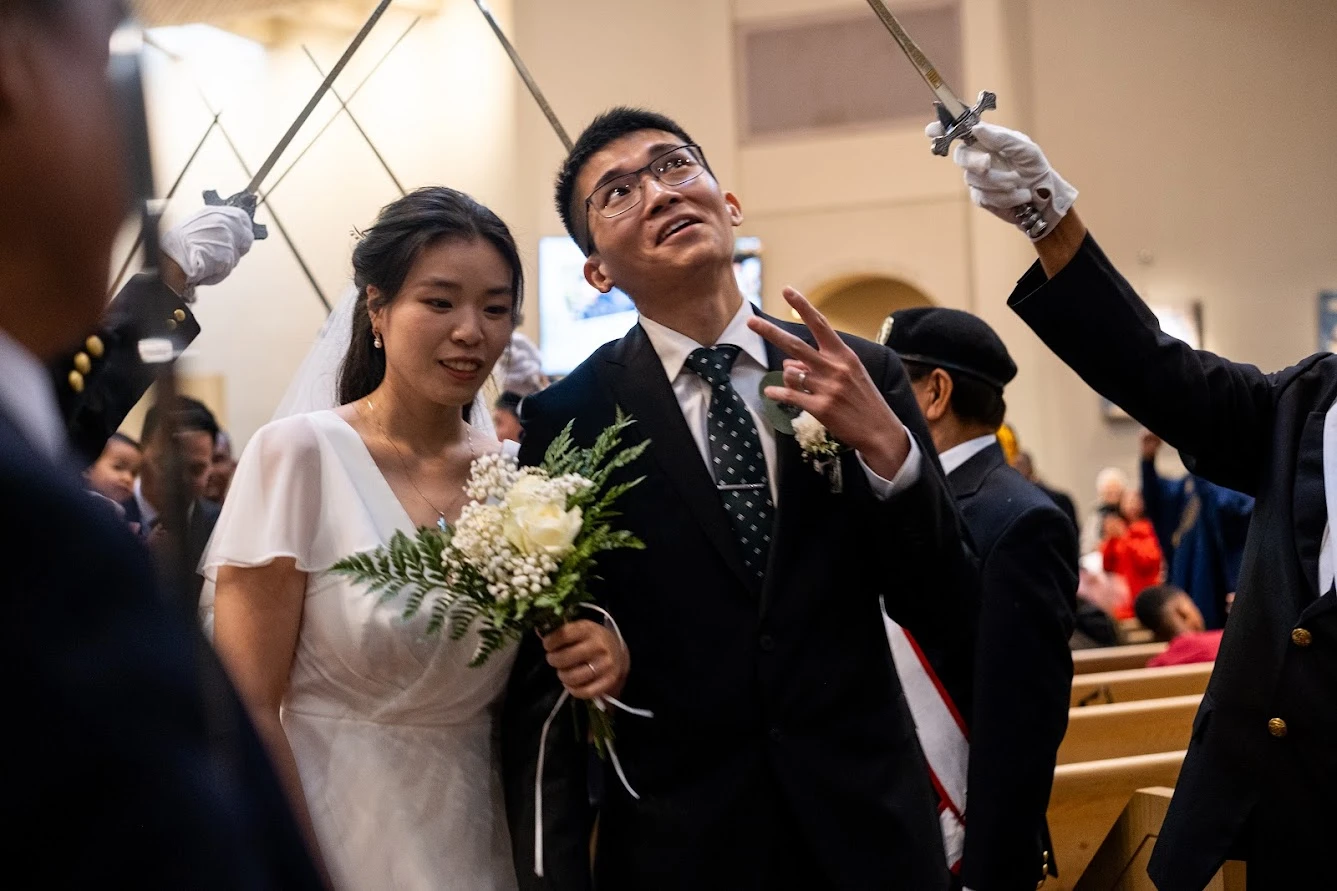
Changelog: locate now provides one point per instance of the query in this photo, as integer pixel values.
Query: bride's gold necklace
(468, 438)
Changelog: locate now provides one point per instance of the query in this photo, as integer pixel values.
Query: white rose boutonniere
(819, 449)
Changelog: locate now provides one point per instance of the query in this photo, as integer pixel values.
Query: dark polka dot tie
(737, 461)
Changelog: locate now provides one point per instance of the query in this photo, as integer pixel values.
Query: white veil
(315, 385)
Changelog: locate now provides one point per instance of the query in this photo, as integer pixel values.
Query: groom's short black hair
(607, 127)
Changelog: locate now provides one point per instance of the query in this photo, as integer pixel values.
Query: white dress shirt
(28, 400)
(963, 451)
(1327, 555)
(693, 394)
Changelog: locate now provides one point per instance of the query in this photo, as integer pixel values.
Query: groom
(781, 753)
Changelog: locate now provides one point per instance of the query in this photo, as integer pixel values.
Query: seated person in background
(1111, 483)
(506, 417)
(1172, 615)
(113, 474)
(1097, 592)
(1129, 549)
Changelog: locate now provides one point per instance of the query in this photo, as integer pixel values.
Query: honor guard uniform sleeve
(99, 384)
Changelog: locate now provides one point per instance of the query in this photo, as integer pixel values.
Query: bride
(383, 735)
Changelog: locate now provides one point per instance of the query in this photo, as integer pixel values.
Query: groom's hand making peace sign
(831, 384)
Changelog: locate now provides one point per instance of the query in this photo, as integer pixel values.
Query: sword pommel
(244, 200)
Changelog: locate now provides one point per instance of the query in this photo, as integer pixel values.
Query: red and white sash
(942, 736)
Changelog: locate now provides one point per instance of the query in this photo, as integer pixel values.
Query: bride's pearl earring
(376, 340)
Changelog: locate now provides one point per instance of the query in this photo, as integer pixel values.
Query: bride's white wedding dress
(392, 731)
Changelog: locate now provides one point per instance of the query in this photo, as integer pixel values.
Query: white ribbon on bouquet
(600, 703)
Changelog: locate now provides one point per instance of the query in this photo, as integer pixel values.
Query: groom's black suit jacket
(781, 735)
(1260, 776)
(115, 759)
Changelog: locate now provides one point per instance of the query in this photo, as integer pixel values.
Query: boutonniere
(820, 451)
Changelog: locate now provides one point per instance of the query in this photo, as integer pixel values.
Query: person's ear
(735, 209)
(939, 388)
(597, 275)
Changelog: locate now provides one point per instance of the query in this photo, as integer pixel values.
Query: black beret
(950, 339)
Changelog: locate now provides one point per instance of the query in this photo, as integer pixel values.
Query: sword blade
(955, 107)
(525, 75)
(260, 174)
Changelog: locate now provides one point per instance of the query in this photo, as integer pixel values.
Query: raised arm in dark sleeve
(1217, 413)
(99, 384)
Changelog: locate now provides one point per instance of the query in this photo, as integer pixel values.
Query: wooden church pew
(1131, 684)
(1120, 863)
(1098, 732)
(1114, 658)
(1088, 798)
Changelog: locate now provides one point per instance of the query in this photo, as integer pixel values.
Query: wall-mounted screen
(575, 319)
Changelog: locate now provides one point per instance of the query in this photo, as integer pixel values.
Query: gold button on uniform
(1276, 727)
(179, 315)
(1301, 637)
(82, 363)
(94, 346)
(171, 324)
(76, 381)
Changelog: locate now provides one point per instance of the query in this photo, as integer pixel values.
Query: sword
(525, 75)
(956, 117)
(248, 198)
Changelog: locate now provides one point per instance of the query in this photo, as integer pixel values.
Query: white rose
(810, 432)
(537, 522)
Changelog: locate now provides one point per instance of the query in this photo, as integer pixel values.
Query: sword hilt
(1029, 217)
(247, 201)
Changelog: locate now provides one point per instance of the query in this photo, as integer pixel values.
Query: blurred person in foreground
(112, 745)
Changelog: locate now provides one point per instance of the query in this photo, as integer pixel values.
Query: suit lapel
(637, 381)
(967, 479)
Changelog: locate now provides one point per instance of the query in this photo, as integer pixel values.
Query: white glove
(209, 244)
(1006, 169)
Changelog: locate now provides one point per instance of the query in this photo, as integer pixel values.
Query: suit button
(767, 643)
(179, 315)
(774, 734)
(1301, 637)
(1276, 727)
(82, 363)
(95, 346)
(76, 381)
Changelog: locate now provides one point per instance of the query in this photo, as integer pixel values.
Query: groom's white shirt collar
(674, 347)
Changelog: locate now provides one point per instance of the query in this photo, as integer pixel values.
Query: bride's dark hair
(387, 251)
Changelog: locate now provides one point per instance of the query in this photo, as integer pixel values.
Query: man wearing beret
(1027, 549)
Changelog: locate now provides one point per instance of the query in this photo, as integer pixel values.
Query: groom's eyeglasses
(676, 167)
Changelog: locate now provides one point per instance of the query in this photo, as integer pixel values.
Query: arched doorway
(857, 304)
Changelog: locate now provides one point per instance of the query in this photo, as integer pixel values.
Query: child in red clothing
(1172, 615)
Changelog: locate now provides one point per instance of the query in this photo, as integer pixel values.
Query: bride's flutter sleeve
(291, 496)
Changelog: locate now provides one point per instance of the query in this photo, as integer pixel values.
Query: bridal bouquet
(522, 553)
